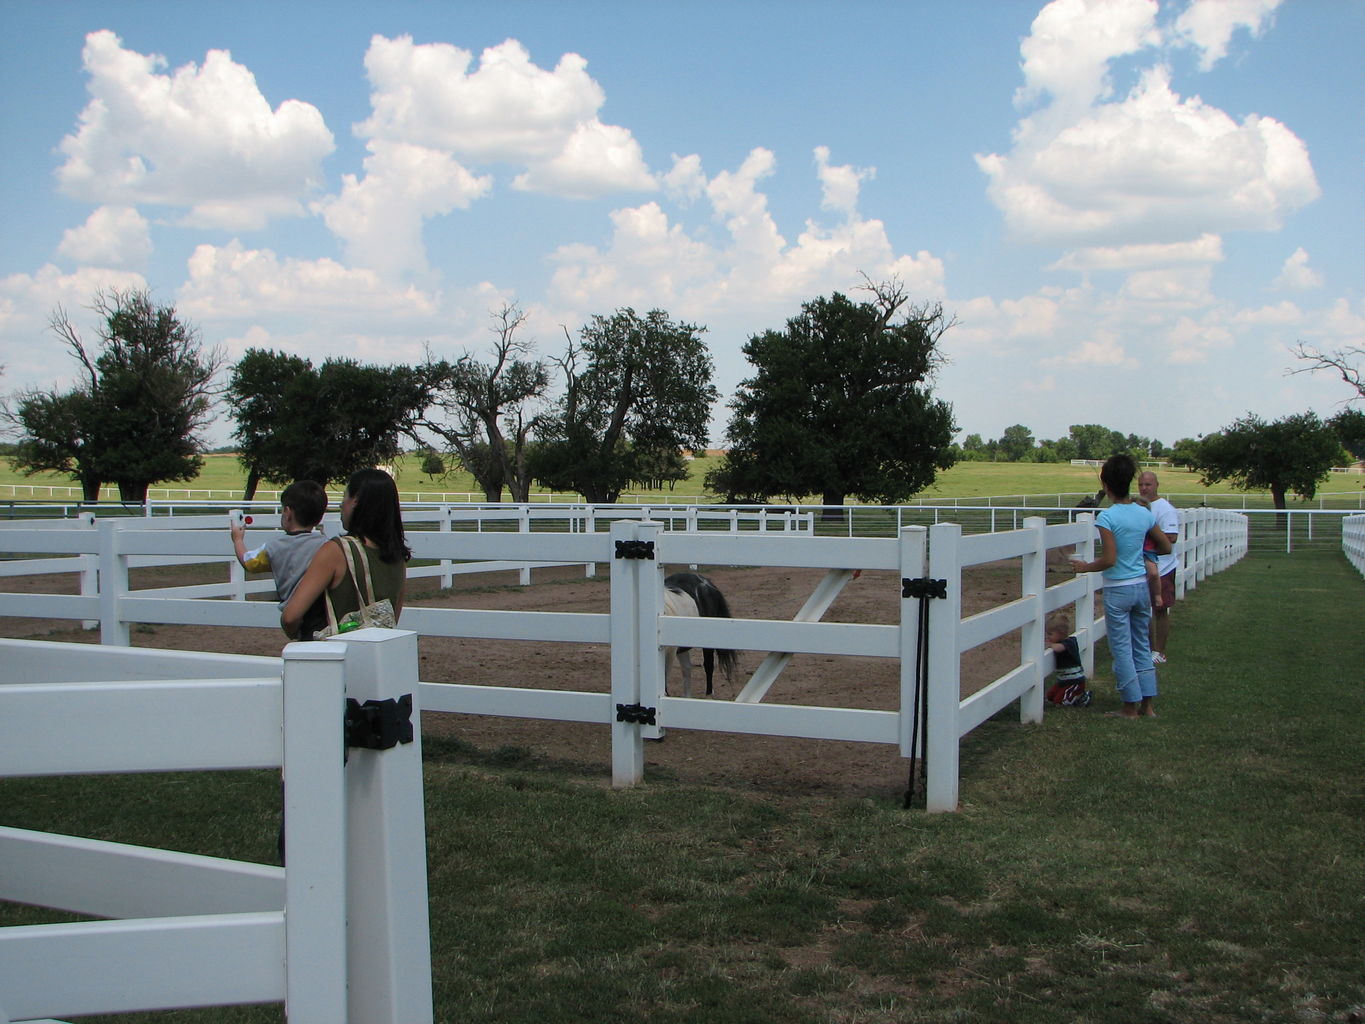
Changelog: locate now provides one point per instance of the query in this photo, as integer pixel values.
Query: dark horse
(691, 593)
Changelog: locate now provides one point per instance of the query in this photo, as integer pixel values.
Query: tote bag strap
(356, 553)
(348, 546)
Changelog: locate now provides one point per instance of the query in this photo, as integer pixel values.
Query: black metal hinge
(635, 549)
(379, 724)
(924, 587)
(637, 713)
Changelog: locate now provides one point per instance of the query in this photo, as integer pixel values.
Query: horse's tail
(710, 601)
(727, 664)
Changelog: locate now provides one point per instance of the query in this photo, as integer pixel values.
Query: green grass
(223, 476)
(1206, 867)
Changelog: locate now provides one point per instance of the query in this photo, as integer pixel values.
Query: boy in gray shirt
(286, 556)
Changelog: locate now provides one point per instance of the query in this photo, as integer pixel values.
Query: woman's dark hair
(376, 515)
(1117, 475)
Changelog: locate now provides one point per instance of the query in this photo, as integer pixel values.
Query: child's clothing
(286, 557)
(1069, 689)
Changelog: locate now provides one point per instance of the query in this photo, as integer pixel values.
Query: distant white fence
(636, 630)
(452, 520)
(1353, 541)
(340, 935)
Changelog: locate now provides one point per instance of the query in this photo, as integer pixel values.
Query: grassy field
(223, 478)
(1206, 867)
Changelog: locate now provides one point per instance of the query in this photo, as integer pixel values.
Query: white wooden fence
(1353, 541)
(339, 935)
(636, 631)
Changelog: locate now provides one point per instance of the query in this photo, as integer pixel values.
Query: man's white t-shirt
(1169, 520)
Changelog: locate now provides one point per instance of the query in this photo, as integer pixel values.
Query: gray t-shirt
(285, 556)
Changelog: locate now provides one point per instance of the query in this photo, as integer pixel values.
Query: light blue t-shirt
(1129, 524)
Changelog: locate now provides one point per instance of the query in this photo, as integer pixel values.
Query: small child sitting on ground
(1068, 691)
(286, 557)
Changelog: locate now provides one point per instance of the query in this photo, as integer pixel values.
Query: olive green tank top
(386, 577)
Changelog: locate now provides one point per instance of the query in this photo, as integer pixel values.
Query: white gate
(339, 935)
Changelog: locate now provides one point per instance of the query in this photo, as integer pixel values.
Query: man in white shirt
(1169, 520)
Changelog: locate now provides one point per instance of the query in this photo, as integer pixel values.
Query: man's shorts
(1167, 590)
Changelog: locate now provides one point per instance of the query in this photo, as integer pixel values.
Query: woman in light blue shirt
(1123, 527)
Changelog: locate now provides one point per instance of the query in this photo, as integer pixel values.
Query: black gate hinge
(635, 549)
(637, 713)
(379, 724)
(924, 587)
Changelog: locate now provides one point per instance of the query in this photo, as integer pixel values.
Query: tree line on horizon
(840, 404)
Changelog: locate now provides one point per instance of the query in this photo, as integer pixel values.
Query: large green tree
(1017, 444)
(840, 404)
(1096, 442)
(300, 422)
(1350, 427)
(637, 393)
(487, 408)
(1290, 454)
(142, 399)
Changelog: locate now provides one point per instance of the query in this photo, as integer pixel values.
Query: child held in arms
(1149, 561)
(1069, 689)
(286, 556)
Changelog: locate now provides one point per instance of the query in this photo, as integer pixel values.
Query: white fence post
(633, 638)
(1200, 548)
(1031, 636)
(314, 819)
(388, 936)
(90, 570)
(444, 526)
(524, 526)
(945, 670)
(113, 584)
(1085, 605)
(653, 656)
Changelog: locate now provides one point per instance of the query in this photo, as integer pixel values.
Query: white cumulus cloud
(755, 271)
(1151, 167)
(596, 159)
(32, 354)
(1208, 248)
(112, 236)
(504, 109)
(203, 138)
(232, 282)
(380, 216)
(1071, 42)
(1209, 24)
(840, 184)
(1297, 275)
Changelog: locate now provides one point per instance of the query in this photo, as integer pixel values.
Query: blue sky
(1133, 209)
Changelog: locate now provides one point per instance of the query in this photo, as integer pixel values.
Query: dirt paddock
(777, 763)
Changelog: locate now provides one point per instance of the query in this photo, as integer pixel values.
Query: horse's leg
(708, 660)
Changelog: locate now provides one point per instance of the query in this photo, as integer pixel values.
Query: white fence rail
(637, 632)
(1353, 541)
(340, 935)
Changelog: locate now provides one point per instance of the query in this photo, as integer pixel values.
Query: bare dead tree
(890, 296)
(489, 407)
(1346, 362)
